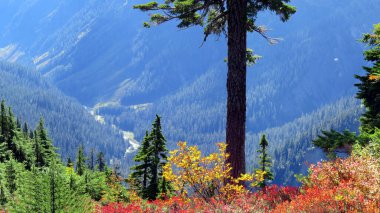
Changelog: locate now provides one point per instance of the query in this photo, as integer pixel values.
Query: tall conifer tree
(234, 18)
(158, 153)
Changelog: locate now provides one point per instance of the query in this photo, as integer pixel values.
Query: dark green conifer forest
(34, 179)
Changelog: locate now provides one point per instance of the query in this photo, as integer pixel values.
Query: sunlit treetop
(212, 14)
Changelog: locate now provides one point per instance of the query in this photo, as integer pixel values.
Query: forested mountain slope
(291, 144)
(97, 52)
(69, 123)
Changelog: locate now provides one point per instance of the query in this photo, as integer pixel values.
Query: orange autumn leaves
(374, 77)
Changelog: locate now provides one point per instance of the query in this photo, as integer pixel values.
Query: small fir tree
(147, 175)
(141, 172)
(25, 130)
(43, 146)
(91, 161)
(38, 153)
(101, 162)
(3, 199)
(69, 163)
(11, 129)
(158, 153)
(10, 176)
(265, 162)
(81, 161)
(3, 121)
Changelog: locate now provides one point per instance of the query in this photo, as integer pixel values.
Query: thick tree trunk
(236, 85)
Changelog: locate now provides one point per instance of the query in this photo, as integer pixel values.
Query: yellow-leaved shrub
(207, 177)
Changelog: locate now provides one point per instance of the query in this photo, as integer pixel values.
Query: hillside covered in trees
(68, 122)
(292, 129)
(34, 179)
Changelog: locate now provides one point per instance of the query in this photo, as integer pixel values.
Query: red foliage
(350, 185)
(251, 202)
(120, 208)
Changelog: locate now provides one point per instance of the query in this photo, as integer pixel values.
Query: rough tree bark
(236, 85)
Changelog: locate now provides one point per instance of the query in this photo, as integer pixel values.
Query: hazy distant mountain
(97, 52)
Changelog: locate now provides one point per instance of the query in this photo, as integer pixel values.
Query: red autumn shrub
(260, 201)
(345, 185)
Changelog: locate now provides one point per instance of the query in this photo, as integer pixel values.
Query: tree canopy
(369, 86)
(212, 14)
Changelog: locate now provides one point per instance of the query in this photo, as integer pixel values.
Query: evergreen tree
(61, 198)
(45, 141)
(116, 164)
(10, 176)
(25, 130)
(146, 176)
(6, 141)
(3, 199)
(3, 121)
(91, 161)
(158, 153)
(39, 187)
(18, 124)
(369, 86)
(331, 141)
(69, 163)
(81, 161)
(4, 153)
(100, 161)
(43, 147)
(369, 93)
(234, 18)
(140, 173)
(26, 188)
(265, 162)
(72, 182)
(38, 153)
(11, 129)
(53, 189)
